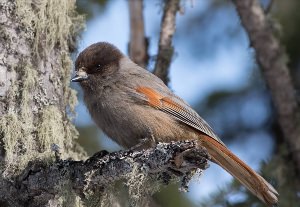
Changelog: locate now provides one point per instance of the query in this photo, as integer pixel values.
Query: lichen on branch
(143, 171)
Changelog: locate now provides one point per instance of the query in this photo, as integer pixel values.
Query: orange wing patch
(168, 102)
(157, 100)
(153, 97)
(183, 114)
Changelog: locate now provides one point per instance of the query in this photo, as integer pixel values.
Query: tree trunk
(165, 47)
(138, 45)
(36, 101)
(271, 58)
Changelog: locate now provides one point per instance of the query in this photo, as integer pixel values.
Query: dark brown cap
(96, 59)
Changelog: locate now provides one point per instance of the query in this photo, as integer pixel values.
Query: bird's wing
(178, 109)
(217, 150)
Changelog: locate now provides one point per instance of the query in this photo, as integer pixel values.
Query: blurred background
(214, 70)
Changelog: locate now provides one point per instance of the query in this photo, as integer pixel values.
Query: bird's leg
(143, 143)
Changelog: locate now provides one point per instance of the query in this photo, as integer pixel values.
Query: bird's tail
(221, 155)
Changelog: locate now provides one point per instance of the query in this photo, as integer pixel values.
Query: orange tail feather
(249, 178)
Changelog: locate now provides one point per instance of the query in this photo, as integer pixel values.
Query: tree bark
(92, 180)
(35, 98)
(271, 58)
(165, 49)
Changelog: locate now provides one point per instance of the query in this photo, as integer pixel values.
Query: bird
(130, 104)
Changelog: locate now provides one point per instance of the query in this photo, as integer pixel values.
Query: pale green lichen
(29, 128)
(53, 21)
(66, 197)
(28, 84)
(109, 197)
(50, 129)
(29, 132)
(15, 126)
(53, 129)
(11, 127)
(61, 201)
(140, 187)
(136, 182)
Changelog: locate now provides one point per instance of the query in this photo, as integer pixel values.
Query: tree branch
(166, 50)
(271, 58)
(138, 45)
(40, 182)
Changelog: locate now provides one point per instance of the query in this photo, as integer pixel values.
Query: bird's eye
(98, 67)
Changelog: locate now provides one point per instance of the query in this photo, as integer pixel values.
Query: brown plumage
(129, 104)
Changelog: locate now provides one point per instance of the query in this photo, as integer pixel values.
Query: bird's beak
(81, 75)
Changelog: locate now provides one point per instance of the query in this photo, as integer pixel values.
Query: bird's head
(97, 61)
